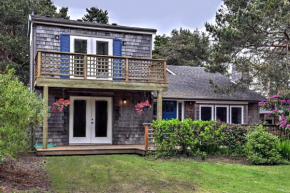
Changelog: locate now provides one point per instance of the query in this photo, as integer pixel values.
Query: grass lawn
(132, 173)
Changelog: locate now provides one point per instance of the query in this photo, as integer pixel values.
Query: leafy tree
(96, 15)
(20, 110)
(254, 36)
(14, 44)
(183, 48)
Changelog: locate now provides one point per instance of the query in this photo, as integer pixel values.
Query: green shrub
(173, 137)
(235, 139)
(284, 148)
(261, 147)
(20, 110)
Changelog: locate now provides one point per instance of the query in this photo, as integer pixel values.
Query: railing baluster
(85, 66)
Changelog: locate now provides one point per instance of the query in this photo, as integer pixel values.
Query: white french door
(97, 67)
(90, 120)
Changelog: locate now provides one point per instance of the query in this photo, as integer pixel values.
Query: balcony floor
(92, 150)
(100, 84)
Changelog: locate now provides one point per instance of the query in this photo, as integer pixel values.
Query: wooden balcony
(77, 70)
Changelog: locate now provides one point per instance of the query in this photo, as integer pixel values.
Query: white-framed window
(269, 120)
(222, 113)
(237, 114)
(206, 112)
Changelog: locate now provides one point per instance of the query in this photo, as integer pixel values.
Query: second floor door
(98, 67)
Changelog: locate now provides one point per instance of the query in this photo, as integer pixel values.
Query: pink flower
(288, 101)
(288, 125)
(283, 101)
(275, 111)
(261, 103)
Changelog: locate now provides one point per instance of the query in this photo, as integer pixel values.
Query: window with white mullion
(222, 113)
(206, 112)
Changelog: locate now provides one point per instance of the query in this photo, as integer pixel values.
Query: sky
(163, 15)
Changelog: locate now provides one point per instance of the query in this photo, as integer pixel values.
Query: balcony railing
(99, 67)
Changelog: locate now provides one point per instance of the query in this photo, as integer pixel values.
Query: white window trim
(177, 109)
(72, 43)
(110, 45)
(212, 111)
(91, 49)
(215, 108)
(269, 118)
(242, 107)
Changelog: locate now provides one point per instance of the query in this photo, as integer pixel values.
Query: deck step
(91, 150)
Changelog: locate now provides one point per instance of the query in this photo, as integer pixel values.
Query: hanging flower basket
(59, 105)
(142, 106)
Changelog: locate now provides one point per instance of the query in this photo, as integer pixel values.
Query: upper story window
(90, 45)
(102, 48)
(80, 46)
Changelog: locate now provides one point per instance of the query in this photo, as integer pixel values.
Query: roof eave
(94, 26)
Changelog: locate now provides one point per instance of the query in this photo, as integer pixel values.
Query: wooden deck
(92, 150)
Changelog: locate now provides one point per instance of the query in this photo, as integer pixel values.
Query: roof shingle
(193, 83)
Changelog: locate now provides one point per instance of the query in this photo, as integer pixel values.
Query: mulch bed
(26, 174)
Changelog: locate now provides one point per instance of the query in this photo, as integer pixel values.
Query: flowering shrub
(279, 105)
(142, 106)
(59, 105)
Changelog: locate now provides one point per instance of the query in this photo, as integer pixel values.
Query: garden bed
(25, 174)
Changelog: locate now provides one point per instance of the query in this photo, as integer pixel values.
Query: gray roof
(84, 24)
(193, 83)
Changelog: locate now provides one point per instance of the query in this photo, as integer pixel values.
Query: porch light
(124, 101)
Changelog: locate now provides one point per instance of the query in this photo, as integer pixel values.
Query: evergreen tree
(96, 15)
(14, 43)
(183, 48)
(254, 36)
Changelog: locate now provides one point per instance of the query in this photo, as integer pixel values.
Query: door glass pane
(103, 63)
(221, 114)
(236, 115)
(171, 107)
(102, 48)
(101, 118)
(179, 111)
(80, 46)
(206, 113)
(79, 120)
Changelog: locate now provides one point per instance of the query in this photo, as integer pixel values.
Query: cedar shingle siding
(137, 45)
(127, 123)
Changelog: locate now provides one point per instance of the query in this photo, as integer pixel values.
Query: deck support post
(146, 136)
(45, 119)
(159, 105)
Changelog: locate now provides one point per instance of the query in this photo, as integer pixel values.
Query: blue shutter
(64, 47)
(117, 63)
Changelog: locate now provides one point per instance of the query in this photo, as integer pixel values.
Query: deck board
(92, 150)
